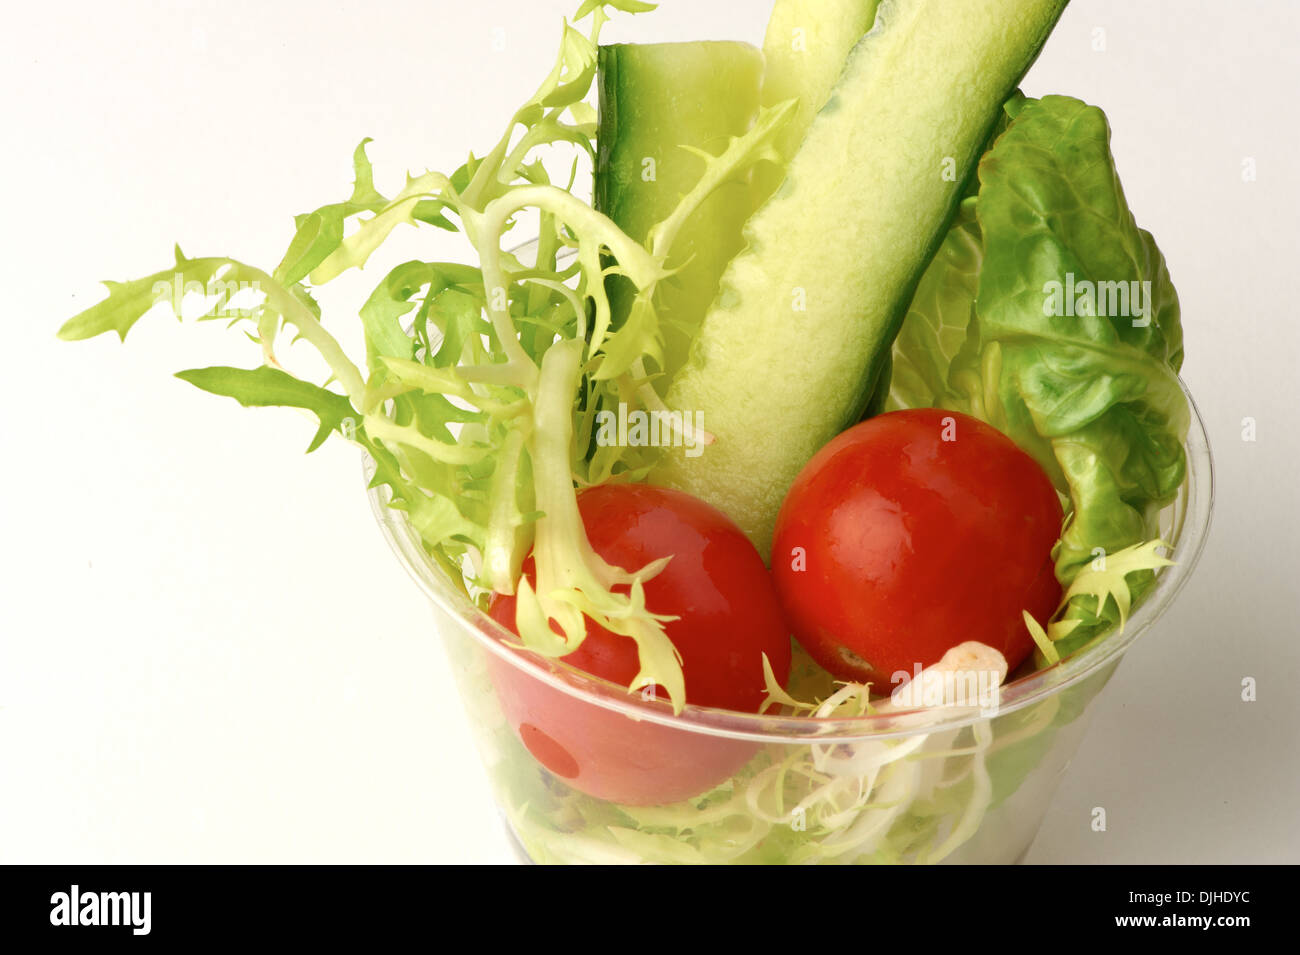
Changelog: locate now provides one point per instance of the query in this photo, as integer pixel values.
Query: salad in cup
(788, 498)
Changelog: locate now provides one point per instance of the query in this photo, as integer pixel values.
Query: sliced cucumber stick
(805, 49)
(789, 354)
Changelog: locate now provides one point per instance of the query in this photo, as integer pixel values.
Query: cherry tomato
(911, 533)
(728, 616)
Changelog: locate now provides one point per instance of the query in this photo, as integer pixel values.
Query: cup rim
(1188, 519)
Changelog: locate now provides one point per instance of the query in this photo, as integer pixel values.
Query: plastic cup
(585, 772)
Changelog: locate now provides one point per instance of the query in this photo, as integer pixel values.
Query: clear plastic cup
(585, 772)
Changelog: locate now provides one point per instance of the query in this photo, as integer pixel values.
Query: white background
(208, 654)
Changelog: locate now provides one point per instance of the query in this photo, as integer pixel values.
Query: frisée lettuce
(478, 381)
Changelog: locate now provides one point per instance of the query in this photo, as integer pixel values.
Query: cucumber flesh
(654, 99)
(805, 49)
(791, 352)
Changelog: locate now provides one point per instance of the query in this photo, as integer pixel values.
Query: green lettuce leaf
(1051, 315)
(935, 327)
(1076, 341)
(270, 387)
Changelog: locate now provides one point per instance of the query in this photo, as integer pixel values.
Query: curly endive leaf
(402, 209)
(1100, 597)
(319, 233)
(1106, 579)
(573, 581)
(473, 445)
(128, 301)
(627, 6)
(218, 279)
(271, 387)
(406, 286)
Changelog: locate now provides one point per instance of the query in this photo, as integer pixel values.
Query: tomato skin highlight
(910, 533)
(728, 613)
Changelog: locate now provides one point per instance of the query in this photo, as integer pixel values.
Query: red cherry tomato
(607, 755)
(911, 533)
(728, 616)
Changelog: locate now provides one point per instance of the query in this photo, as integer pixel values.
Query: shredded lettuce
(918, 799)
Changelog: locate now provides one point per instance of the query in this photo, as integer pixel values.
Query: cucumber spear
(806, 315)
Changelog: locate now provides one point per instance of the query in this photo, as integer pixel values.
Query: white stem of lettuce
(573, 581)
(502, 553)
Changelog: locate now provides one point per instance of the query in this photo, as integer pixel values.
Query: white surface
(208, 653)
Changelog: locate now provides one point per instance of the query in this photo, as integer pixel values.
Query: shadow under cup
(585, 772)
